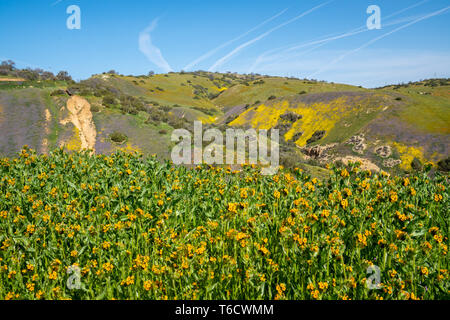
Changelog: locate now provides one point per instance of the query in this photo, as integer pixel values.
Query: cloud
(289, 52)
(285, 51)
(227, 57)
(369, 67)
(213, 51)
(152, 52)
(435, 13)
(373, 68)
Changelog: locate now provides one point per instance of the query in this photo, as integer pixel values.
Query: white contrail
(281, 57)
(319, 43)
(348, 34)
(378, 38)
(56, 2)
(149, 50)
(406, 9)
(224, 59)
(213, 51)
(286, 48)
(328, 39)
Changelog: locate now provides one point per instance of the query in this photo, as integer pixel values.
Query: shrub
(297, 136)
(85, 92)
(212, 96)
(444, 165)
(95, 108)
(291, 117)
(316, 136)
(289, 160)
(165, 108)
(108, 101)
(118, 137)
(416, 164)
(58, 92)
(131, 105)
(63, 76)
(176, 123)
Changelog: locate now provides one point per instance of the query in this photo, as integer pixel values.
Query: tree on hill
(46, 75)
(63, 76)
(29, 74)
(6, 67)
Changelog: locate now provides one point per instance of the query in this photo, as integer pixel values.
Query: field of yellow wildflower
(139, 229)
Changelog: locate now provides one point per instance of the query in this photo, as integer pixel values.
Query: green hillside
(409, 121)
(386, 128)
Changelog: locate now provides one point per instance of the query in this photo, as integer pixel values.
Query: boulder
(383, 151)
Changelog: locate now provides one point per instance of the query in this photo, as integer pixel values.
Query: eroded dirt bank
(80, 116)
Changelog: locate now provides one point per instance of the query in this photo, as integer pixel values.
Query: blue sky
(302, 38)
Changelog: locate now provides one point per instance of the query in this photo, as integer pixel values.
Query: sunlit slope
(409, 122)
(389, 127)
(427, 107)
(183, 89)
(261, 90)
(340, 114)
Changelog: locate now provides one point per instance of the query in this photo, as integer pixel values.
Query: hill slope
(386, 128)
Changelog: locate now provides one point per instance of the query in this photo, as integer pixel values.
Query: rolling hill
(394, 128)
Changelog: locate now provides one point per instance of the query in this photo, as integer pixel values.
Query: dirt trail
(48, 119)
(365, 163)
(11, 80)
(81, 116)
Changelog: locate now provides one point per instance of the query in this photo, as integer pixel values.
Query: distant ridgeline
(8, 69)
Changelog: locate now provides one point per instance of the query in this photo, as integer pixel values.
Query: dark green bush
(58, 92)
(416, 164)
(444, 165)
(118, 137)
(108, 101)
(316, 136)
(95, 108)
